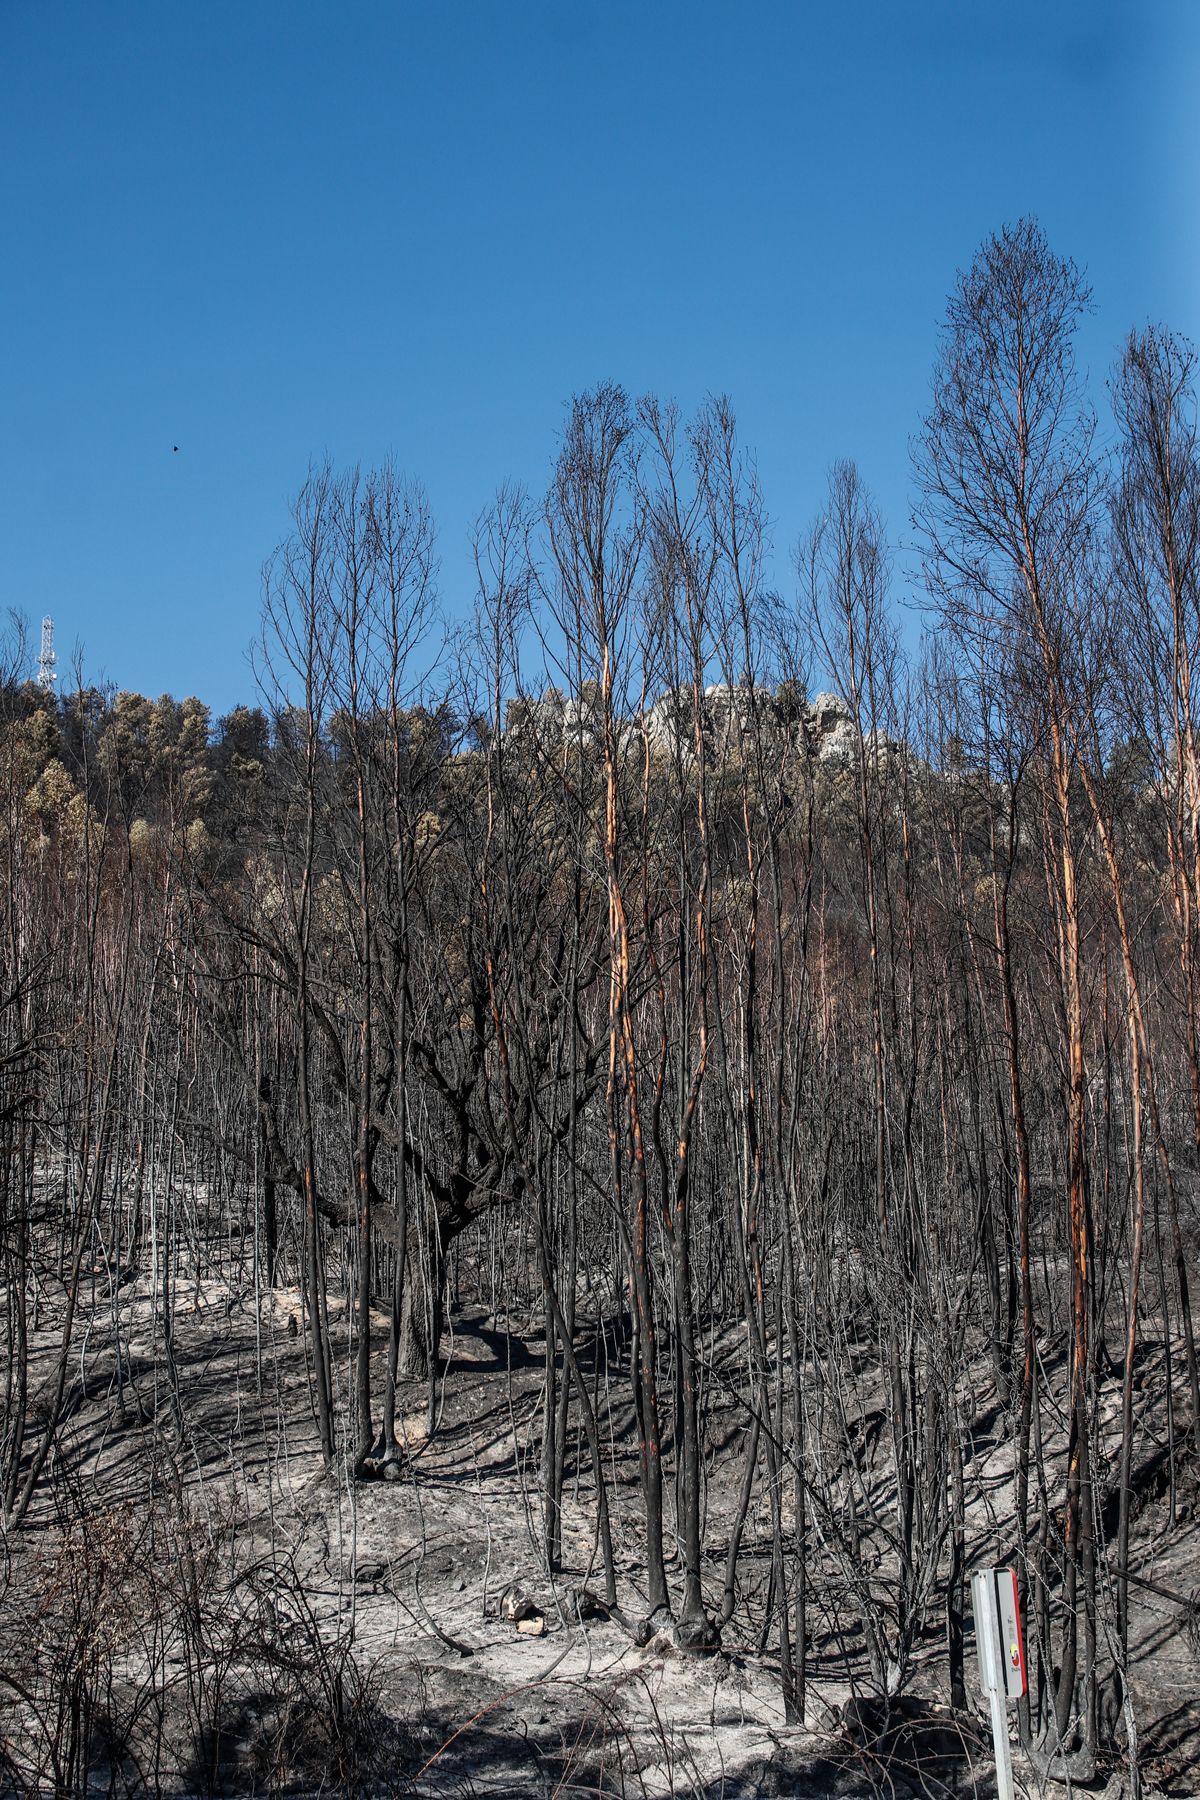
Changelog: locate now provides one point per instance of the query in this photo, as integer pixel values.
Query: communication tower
(47, 659)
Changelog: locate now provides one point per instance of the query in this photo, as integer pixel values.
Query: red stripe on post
(1020, 1632)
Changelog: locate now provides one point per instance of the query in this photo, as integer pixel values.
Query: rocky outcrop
(823, 729)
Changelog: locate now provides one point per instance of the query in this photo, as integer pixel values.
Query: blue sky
(271, 232)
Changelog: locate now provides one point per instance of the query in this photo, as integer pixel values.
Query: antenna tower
(47, 659)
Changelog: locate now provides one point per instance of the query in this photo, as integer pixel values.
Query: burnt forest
(574, 1167)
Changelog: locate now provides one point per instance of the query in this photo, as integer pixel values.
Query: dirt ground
(413, 1572)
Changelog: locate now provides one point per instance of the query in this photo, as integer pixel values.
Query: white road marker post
(1001, 1651)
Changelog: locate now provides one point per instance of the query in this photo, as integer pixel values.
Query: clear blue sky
(267, 232)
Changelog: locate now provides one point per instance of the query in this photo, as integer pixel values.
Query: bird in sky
(175, 448)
